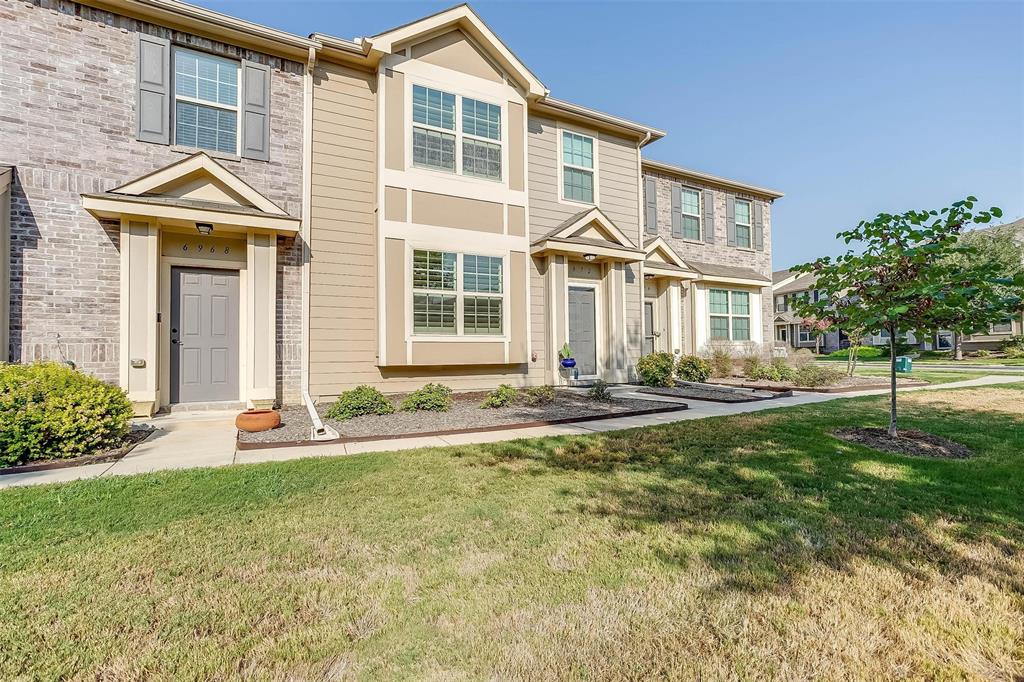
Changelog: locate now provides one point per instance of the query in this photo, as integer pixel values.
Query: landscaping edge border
(782, 393)
(240, 445)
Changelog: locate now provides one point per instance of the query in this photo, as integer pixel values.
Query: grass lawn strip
(753, 546)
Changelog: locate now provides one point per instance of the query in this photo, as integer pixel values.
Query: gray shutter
(153, 90)
(255, 111)
(651, 204)
(709, 217)
(730, 219)
(677, 210)
(758, 227)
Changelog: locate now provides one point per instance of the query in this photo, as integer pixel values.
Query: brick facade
(718, 253)
(67, 74)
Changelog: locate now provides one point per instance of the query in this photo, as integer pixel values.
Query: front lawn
(932, 376)
(750, 546)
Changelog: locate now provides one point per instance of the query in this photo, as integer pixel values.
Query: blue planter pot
(568, 363)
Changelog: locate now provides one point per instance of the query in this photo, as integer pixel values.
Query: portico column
(674, 320)
(261, 319)
(138, 348)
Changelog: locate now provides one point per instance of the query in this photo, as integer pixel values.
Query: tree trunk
(892, 383)
(958, 347)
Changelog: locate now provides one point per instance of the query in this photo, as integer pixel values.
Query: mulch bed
(907, 442)
(139, 433)
(465, 416)
(845, 385)
(713, 393)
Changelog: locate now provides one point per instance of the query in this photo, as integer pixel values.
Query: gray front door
(583, 329)
(204, 335)
(649, 334)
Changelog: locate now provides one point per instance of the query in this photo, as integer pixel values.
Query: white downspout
(319, 431)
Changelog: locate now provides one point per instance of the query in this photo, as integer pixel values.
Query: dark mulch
(465, 413)
(907, 442)
(710, 392)
(138, 433)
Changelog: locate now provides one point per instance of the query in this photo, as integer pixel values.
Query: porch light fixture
(648, 275)
(204, 228)
(589, 257)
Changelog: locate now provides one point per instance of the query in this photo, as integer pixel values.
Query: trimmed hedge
(864, 353)
(51, 411)
(360, 401)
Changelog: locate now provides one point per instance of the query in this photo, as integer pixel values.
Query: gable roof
(573, 226)
(671, 169)
(802, 283)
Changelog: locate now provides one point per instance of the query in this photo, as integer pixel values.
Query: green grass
(931, 376)
(931, 359)
(750, 546)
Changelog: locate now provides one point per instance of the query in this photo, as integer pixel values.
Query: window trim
(992, 331)
(749, 226)
(201, 102)
(560, 160)
(460, 294)
(457, 132)
(730, 315)
(699, 239)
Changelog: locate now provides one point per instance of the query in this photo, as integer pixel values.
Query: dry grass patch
(1002, 400)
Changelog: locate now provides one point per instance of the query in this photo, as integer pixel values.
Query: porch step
(218, 406)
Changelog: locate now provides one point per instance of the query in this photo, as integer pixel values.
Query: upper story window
(206, 101)
(729, 314)
(444, 303)
(690, 207)
(780, 304)
(743, 224)
(435, 136)
(577, 167)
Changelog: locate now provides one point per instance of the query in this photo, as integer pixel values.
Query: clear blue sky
(850, 108)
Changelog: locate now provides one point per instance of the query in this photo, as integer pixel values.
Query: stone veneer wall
(719, 253)
(67, 74)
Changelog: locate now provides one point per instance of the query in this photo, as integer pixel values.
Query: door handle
(174, 340)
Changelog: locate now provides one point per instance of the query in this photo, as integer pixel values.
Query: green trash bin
(904, 363)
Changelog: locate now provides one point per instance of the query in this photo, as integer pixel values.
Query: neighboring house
(205, 210)
(1013, 325)
(791, 329)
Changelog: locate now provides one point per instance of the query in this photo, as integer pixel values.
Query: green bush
(901, 349)
(1013, 347)
(430, 398)
(983, 353)
(599, 390)
(863, 353)
(51, 411)
(538, 395)
(502, 396)
(655, 369)
(777, 370)
(693, 368)
(813, 376)
(359, 401)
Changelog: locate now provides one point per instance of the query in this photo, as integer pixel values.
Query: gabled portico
(665, 284)
(587, 261)
(198, 285)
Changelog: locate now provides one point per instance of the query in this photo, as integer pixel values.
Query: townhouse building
(205, 210)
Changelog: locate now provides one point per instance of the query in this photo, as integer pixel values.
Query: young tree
(905, 278)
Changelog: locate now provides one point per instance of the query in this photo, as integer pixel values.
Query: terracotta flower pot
(258, 420)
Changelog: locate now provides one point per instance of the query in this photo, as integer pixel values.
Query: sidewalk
(207, 439)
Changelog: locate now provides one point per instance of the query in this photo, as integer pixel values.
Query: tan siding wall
(618, 185)
(342, 321)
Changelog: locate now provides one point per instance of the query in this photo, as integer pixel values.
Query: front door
(204, 335)
(649, 333)
(583, 329)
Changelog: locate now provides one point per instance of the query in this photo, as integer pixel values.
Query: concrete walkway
(207, 439)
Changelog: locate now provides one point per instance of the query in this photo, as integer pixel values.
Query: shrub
(1014, 347)
(901, 349)
(863, 353)
(802, 357)
(49, 410)
(599, 390)
(655, 369)
(751, 365)
(538, 395)
(720, 357)
(777, 370)
(813, 376)
(502, 396)
(360, 401)
(693, 368)
(430, 398)
(983, 353)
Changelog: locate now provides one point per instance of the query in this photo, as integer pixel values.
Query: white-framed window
(780, 304)
(729, 313)
(805, 335)
(781, 334)
(445, 303)
(436, 137)
(578, 166)
(743, 224)
(1004, 327)
(206, 109)
(690, 207)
